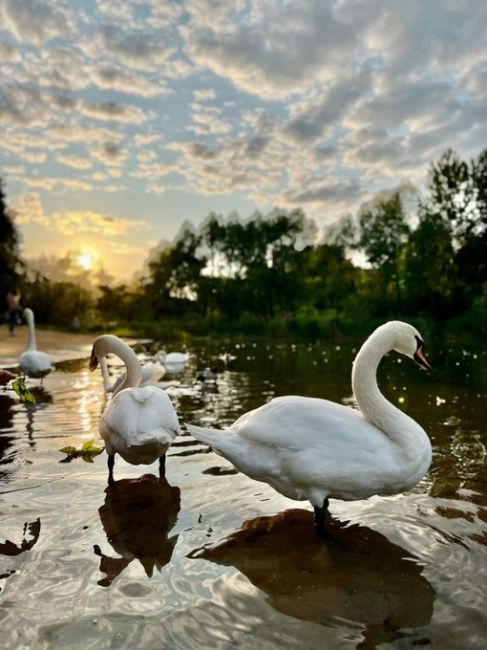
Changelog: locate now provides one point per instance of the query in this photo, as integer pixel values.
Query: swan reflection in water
(137, 517)
(361, 576)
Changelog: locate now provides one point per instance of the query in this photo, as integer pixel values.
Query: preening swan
(308, 448)
(140, 422)
(151, 372)
(32, 362)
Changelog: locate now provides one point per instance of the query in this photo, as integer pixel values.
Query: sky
(119, 121)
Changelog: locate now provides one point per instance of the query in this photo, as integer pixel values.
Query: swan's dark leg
(320, 515)
(162, 466)
(111, 463)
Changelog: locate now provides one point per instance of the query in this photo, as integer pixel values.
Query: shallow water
(211, 559)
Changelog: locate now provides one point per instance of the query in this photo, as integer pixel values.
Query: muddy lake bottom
(208, 558)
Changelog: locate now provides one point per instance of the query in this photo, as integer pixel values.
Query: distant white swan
(151, 373)
(172, 361)
(32, 362)
(313, 449)
(140, 422)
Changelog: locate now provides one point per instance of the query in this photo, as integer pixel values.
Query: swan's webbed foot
(162, 466)
(111, 464)
(320, 516)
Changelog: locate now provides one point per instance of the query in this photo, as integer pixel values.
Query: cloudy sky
(120, 120)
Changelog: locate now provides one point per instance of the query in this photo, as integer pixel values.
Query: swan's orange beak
(93, 364)
(420, 358)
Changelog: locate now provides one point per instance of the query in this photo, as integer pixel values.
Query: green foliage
(9, 239)
(268, 274)
(24, 394)
(56, 303)
(87, 452)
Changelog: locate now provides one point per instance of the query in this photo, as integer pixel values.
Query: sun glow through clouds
(86, 259)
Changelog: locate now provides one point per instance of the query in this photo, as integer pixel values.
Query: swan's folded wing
(135, 412)
(296, 423)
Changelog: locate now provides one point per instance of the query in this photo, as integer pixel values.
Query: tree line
(420, 257)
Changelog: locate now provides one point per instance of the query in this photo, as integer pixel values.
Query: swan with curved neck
(151, 373)
(313, 449)
(32, 362)
(140, 422)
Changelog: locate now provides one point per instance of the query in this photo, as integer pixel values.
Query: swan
(140, 422)
(151, 372)
(313, 449)
(32, 362)
(172, 361)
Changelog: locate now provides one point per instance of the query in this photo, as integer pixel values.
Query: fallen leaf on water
(87, 452)
(22, 391)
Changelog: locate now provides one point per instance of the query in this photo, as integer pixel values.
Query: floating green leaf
(87, 452)
(69, 450)
(22, 391)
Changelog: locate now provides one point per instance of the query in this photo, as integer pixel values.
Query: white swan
(140, 422)
(172, 361)
(32, 362)
(314, 449)
(151, 373)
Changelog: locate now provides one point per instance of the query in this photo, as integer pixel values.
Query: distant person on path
(13, 306)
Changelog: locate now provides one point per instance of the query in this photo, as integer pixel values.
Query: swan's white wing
(295, 423)
(139, 423)
(175, 358)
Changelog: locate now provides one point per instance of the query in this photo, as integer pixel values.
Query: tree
(9, 240)
(429, 270)
(330, 278)
(383, 233)
(472, 255)
(452, 195)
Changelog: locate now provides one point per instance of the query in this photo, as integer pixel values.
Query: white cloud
(109, 153)
(124, 81)
(276, 50)
(113, 111)
(74, 161)
(35, 21)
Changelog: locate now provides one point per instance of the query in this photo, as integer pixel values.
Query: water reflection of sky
(426, 553)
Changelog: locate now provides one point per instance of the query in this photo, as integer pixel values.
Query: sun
(86, 259)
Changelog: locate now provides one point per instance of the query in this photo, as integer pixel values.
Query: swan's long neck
(31, 337)
(132, 364)
(398, 426)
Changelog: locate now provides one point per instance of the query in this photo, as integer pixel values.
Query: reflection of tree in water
(361, 576)
(137, 516)
(33, 529)
(43, 398)
(6, 441)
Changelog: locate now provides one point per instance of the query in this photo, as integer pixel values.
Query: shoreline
(60, 346)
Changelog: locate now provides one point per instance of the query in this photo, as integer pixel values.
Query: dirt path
(58, 345)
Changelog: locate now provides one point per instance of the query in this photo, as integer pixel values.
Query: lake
(209, 558)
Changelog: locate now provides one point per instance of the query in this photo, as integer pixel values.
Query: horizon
(120, 123)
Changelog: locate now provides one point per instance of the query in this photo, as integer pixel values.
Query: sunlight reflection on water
(82, 567)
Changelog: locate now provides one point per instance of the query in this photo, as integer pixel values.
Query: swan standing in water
(32, 362)
(308, 448)
(140, 422)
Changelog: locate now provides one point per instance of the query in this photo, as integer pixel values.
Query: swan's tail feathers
(211, 437)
